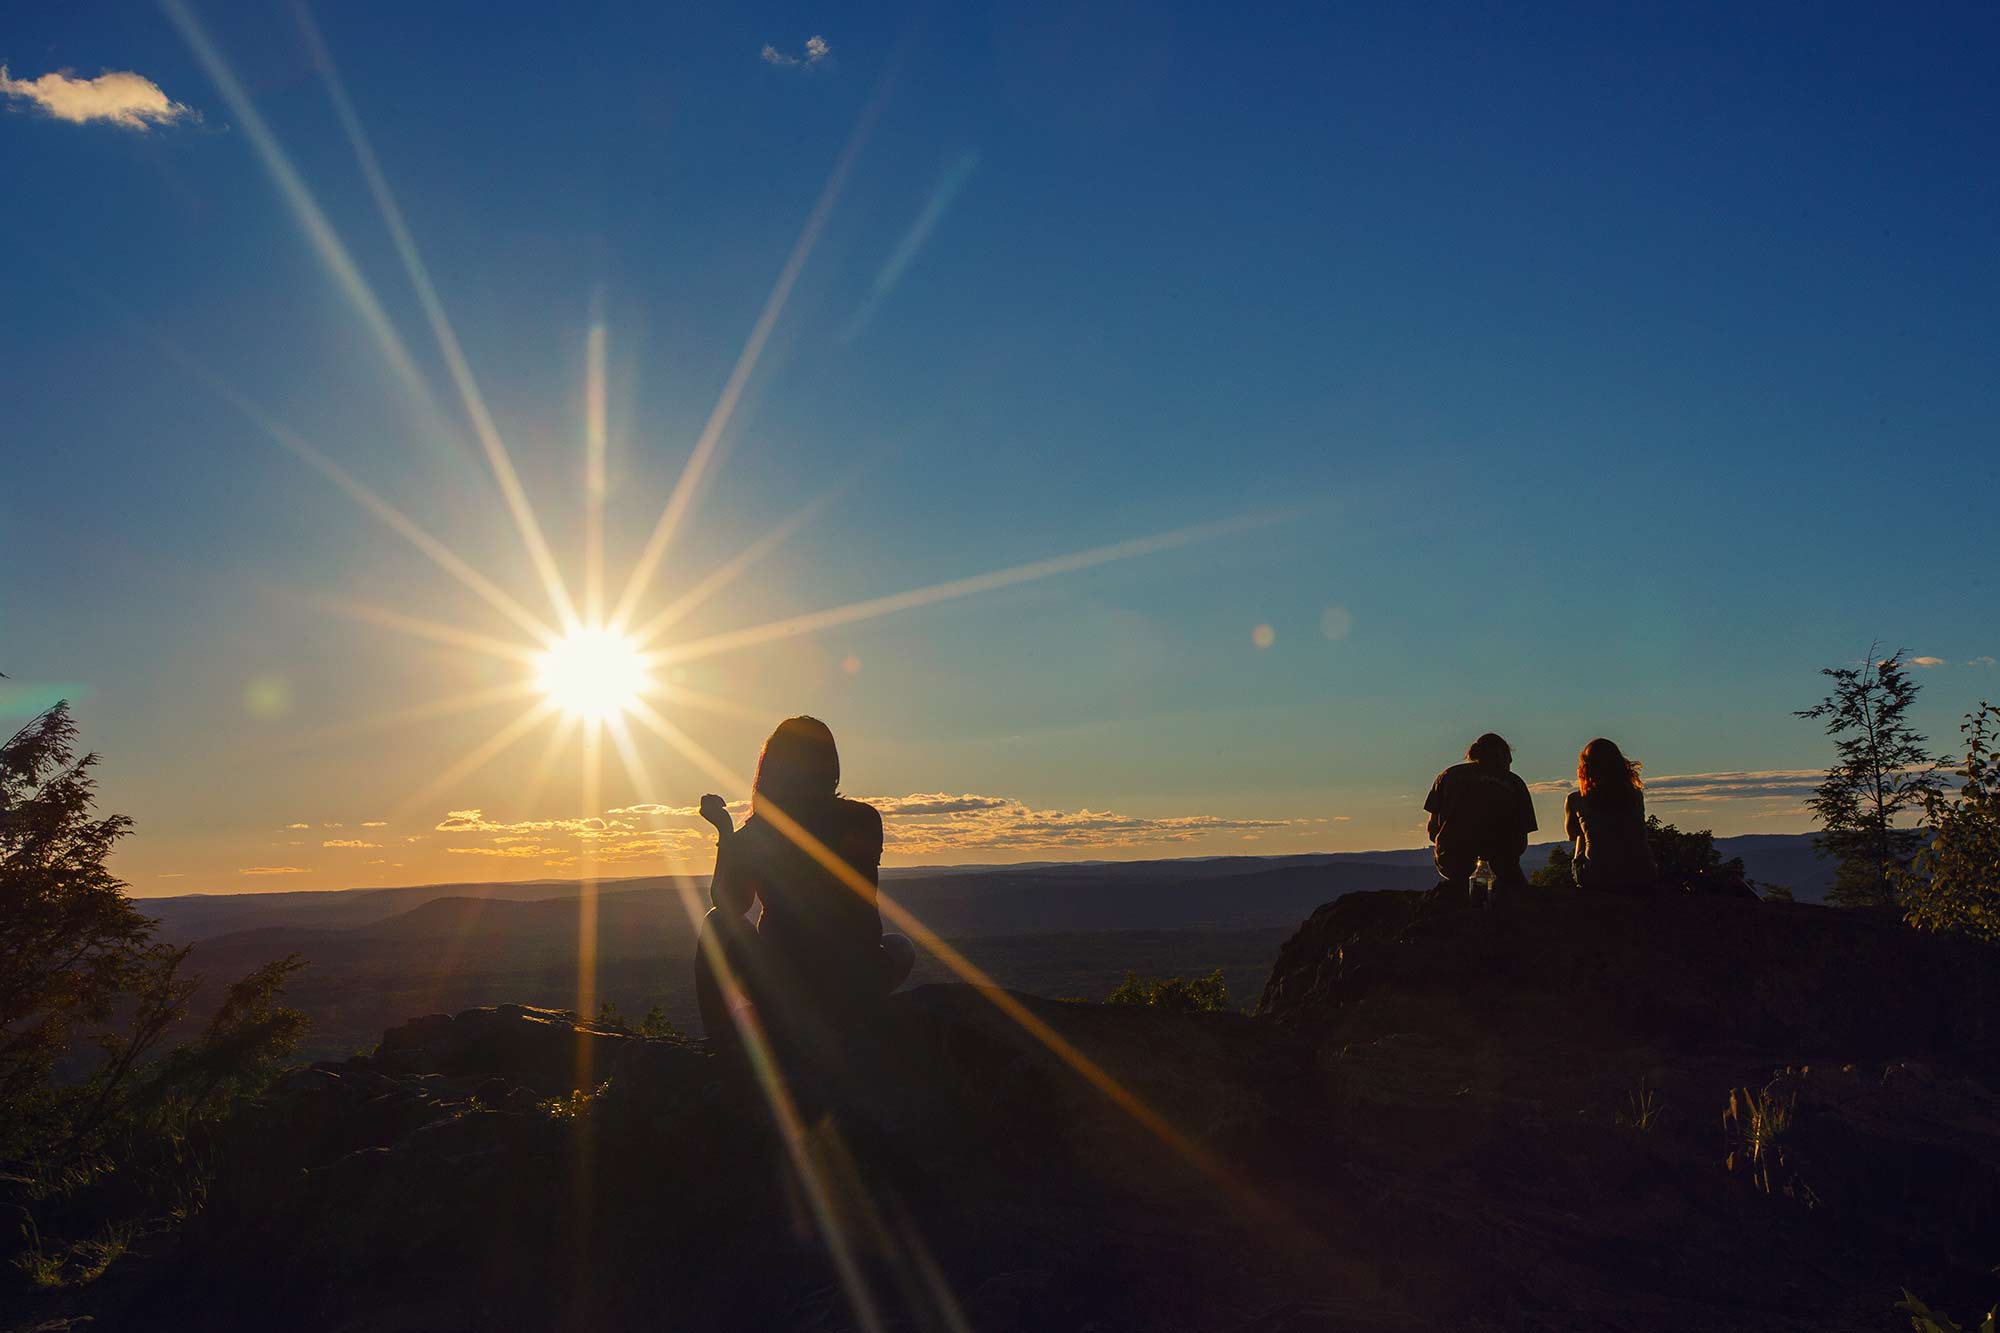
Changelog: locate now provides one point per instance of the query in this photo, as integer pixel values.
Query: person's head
(1491, 751)
(800, 765)
(1603, 770)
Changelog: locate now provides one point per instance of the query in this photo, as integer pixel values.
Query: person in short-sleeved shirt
(1481, 809)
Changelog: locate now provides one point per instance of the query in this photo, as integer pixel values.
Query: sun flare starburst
(593, 673)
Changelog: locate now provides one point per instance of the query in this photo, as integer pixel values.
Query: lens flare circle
(592, 673)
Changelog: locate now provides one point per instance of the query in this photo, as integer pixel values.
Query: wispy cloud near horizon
(117, 97)
(1671, 788)
(919, 824)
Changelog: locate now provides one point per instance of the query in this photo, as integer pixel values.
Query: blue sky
(1582, 373)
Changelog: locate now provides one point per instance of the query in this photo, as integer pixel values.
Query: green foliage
(657, 1024)
(1207, 993)
(88, 999)
(72, 947)
(1559, 872)
(1923, 1319)
(1689, 862)
(1953, 884)
(573, 1107)
(1776, 893)
(608, 1016)
(1883, 772)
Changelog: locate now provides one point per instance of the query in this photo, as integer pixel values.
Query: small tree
(1885, 771)
(1954, 883)
(79, 967)
(72, 946)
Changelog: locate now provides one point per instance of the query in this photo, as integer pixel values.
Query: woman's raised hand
(716, 811)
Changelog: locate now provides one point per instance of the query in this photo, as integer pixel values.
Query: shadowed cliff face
(1511, 1119)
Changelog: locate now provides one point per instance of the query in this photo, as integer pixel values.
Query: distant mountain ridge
(376, 956)
(1784, 858)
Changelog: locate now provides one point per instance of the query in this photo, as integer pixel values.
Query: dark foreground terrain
(1517, 1119)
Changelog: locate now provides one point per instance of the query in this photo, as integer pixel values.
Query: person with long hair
(1480, 810)
(1606, 815)
(811, 860)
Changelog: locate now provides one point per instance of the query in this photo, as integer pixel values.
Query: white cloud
(293, 826)
(1927, 661)
(127, 100)
(816, 51)
(1981, 661)
(349, 842)
(273, 870)
(374, 823)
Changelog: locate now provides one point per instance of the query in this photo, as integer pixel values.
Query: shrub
(657, 1024)
(1207, 993)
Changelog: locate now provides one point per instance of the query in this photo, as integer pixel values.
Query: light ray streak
(709, 703)
(901, 917)
(478, 757)
(593, 476)
(730, 570)
(770, 1081)
(586, 896)
(461, 371)
(931, 594)
(545, 765)
(319, 231)
(429, 629)
(398, 522)
(934, 209)
(746, 362)
(470, 701)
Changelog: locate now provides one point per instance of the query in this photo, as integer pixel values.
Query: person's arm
(1434, 803)
(728, 889)
(861, 847)
(1572, 820)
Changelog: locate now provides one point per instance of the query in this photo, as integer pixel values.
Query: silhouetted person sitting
(1606, 815)
(812, 859)
(1481, 810)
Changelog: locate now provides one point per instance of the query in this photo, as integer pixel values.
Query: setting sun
(592, 673)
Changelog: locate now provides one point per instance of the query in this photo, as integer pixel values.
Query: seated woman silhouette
(817, 951)
(1606, 815)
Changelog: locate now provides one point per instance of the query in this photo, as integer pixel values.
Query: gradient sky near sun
(1562, 372)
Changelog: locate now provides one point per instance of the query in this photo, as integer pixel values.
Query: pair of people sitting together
(1481, 810)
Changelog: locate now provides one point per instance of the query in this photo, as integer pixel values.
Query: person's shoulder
(859, 816)
(853, 809)
(1572, 799)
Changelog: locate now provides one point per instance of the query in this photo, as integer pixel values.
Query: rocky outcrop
(1510, 1119)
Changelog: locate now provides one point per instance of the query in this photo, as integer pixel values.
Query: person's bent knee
(899, 956)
